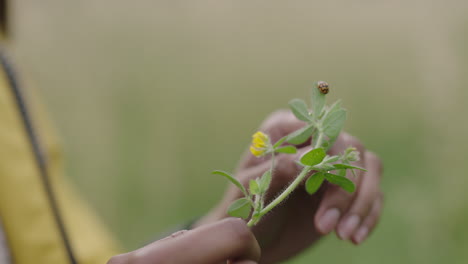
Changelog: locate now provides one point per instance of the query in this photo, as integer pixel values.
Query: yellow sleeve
(25, 205)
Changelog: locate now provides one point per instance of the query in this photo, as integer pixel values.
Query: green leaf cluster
(240, 207)
(318, 161)
(328, 121)
(253, 197)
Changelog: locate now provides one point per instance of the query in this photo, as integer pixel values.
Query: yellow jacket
(43, 219)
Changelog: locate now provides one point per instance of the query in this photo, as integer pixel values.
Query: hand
(303, 219)
(229, 239)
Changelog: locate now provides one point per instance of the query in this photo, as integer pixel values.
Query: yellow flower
(260, 144)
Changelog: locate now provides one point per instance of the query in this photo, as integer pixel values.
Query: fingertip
(360, 235)
(347, 227)
(368, 225)
(246, 240)
(327, 221)
(239, 228)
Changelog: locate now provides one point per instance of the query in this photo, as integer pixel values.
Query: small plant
(323, 124)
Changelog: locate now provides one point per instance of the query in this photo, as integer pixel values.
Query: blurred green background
(150, 96)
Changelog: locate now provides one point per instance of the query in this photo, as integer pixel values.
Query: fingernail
(361, 234)
(346, 229)
(329, 220)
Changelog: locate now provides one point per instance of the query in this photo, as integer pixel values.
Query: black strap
(38, 153)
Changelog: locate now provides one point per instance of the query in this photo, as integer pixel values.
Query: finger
(280, 124)
(276, 126)
(370, 222)
(336, 201)
(213, 243)
(243, 262)
(366, 193)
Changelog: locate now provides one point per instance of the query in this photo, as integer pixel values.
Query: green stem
(286, 192)
(290, 188)
(251, 222)
(256, 202)
(319, 140)
(259, 206)
(272, 164)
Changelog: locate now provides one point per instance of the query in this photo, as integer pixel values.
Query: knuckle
(178, 233)
(363, 202)
(274, 118)
(278, 114)
(339, 198)
(368, 193)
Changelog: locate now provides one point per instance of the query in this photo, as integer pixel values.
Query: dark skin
(301, 220)
(226, 239)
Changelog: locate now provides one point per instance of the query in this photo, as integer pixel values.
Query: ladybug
(323, 87)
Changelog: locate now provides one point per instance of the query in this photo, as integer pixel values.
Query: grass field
(150, 96)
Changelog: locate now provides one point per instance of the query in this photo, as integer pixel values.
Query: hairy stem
(290, 188)
(319, 140)
(282, 196)
(252, 222)
(258, 205)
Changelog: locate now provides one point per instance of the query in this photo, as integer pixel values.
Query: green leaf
(330, 159)
(299, 109)
(333, 123)
(253, 187)
(341, 181)
(300, 136)
(325, 167)
(334, 107)
(265, 181)
(314, 182)
(240, 208)
(231, 179)
(287, 149)
(346, 166)
(313, 157)
(325, 144)
(341, 173)
(318, 101)
(280, 141)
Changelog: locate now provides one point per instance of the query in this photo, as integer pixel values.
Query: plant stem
(290, 188)
(251, 222)
(286, 192)
(272, 164)
(258, 204)
(319, 141)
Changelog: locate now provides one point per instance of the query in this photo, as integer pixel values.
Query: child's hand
(303, 219)
(211, 244)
